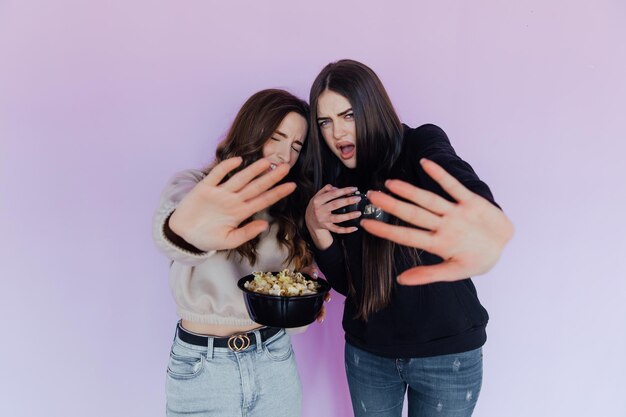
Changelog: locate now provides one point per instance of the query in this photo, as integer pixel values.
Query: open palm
(210, 214)
(469, 234)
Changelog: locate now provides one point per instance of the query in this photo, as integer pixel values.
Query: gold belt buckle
(238, 342)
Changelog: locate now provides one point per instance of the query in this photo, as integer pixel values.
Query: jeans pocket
(278, 348)
(472, 357)
(185, 366)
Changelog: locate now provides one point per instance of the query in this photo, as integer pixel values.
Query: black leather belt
(236, 343)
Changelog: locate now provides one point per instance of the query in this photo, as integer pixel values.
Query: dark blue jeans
(442, 386)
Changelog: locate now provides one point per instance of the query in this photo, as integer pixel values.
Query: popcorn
(285, 283)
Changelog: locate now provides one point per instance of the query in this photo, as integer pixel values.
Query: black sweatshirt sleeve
(331, 262)
(433, 143)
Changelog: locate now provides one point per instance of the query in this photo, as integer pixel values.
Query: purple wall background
(100, 102)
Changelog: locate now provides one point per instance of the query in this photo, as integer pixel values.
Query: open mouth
(346, 151)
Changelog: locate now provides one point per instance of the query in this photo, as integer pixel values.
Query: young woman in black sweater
(412, 317)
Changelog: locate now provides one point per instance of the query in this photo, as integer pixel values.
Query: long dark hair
(255, 122)
(378, 143)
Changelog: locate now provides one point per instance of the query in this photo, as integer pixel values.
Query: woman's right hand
(209, 216)
(321, 221)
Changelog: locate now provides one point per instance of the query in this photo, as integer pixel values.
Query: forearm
(166, 240)
(331, 263)
(322, 239)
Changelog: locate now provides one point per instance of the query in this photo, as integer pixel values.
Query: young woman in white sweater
(219, 224)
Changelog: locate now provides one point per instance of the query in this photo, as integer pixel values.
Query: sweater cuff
(176, 240)
(185, 253)
(331, 254)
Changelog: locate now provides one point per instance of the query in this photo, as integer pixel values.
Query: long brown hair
(255, 122)
(378, 143)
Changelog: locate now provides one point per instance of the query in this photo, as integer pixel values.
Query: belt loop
(259, 342)
(178, 325)
(209, 348)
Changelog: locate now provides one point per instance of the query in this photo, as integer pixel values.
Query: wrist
(178, 240)
(322, 239)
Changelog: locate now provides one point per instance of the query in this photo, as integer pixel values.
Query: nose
(338, 131)
(284, 154)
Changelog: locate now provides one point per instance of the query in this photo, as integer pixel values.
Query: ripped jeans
(258, 381)
(442, 386)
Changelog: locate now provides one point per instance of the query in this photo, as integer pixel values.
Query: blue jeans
(442, 386)
(260, 381)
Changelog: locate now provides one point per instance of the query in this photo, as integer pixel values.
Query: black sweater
(434, 319)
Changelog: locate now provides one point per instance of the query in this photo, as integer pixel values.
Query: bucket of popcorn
(283, 299)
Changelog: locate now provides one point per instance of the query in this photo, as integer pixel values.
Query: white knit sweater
(204, 285)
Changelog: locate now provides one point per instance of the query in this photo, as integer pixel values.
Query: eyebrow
(343, 113)
(285, 136)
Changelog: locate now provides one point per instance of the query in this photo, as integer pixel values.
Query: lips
(346, 150)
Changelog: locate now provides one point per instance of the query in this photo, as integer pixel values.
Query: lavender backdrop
(101, 101)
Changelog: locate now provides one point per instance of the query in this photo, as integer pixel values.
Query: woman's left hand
(314, 272)
(468, 234)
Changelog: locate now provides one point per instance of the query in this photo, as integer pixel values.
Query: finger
(426, 199)
(269, 197)
(406, 236)
(324, 189)
(408, 212)
(310, 270)
(321, 315)
(338, 218)
(243, 177)
(421, 275)
(450, 184)
(341, 230)
(264, 182)
(342, 202)
(219, 171)
(335, 193)
(245, 233)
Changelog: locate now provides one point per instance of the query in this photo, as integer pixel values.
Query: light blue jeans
(441, 386)
(259, 381)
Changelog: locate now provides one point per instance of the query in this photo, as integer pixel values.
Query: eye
(276, 139)
(323, 123)
(349, 116)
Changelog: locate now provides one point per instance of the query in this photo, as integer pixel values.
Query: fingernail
(399, 279)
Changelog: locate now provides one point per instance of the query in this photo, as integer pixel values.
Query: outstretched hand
(209, 216)
(468, 234)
